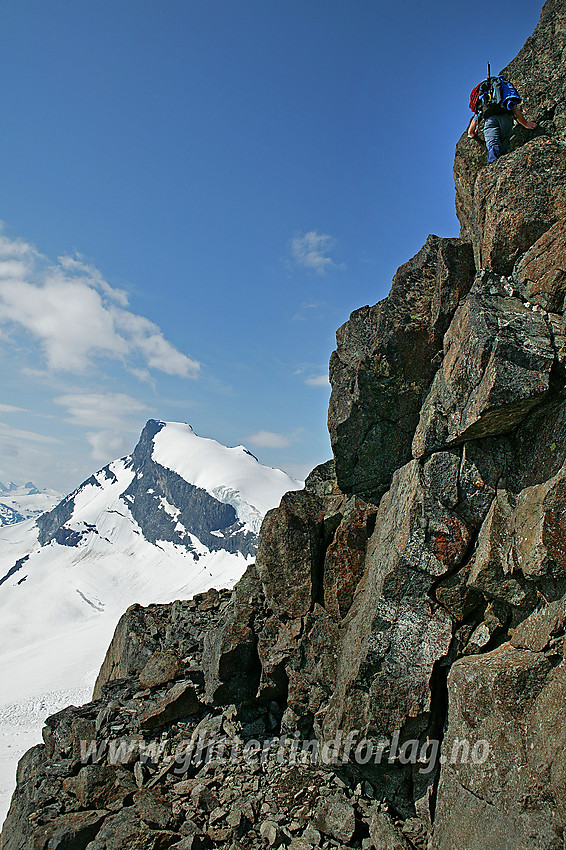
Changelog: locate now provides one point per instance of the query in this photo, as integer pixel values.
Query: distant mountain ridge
(19, 502)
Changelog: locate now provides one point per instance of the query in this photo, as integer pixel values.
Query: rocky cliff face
(412, 596)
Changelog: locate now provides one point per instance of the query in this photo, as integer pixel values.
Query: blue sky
(196, 194)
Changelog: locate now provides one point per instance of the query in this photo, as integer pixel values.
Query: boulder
(470, 157)
(503, 774)
(251, 650)
(541, 272)
(153, 808)
(131, 647)
(345, 557)
(539, 631)
(277, 644)
(142, 632)
(383, 833)
(335, 816)
(74, 830)
(161, 667)
(100, 785)
(505, 207)
(516, 200)
(180, 701)
(127, 829)
(230, 661)
(384, 363)
(395, 632)
(269, 831)
(521, 548)
(498, 357)
(311, 670)
(64, 731)
(290, 553)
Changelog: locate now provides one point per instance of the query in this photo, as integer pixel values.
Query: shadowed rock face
(413, 594)
(385, 360)
(512, 698)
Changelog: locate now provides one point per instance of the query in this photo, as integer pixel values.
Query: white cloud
(307, 309)
(144, 376)
(29, 436)
(147, 338)
(9, 408)
(111, 411)
(312, 375)
(77, 265)
(317, 381)
(310, 251)
(268, 440)
(113, 417)
(108, 445)
(68, 318)
(77, 317)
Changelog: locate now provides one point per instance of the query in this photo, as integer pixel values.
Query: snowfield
(232, 475)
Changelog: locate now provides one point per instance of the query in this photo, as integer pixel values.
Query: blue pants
(497, 134)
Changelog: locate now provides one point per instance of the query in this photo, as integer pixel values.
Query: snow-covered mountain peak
(231, 475)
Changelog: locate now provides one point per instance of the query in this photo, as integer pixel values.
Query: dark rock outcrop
(230, 662)
(386, 358)
(145, 636)
(541, 271)
(51, 524)
(514, 202)
(498, 357)
(409, 603)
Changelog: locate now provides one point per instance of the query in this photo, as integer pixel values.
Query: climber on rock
(496, 101)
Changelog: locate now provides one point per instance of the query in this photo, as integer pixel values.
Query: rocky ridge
(412, 596)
